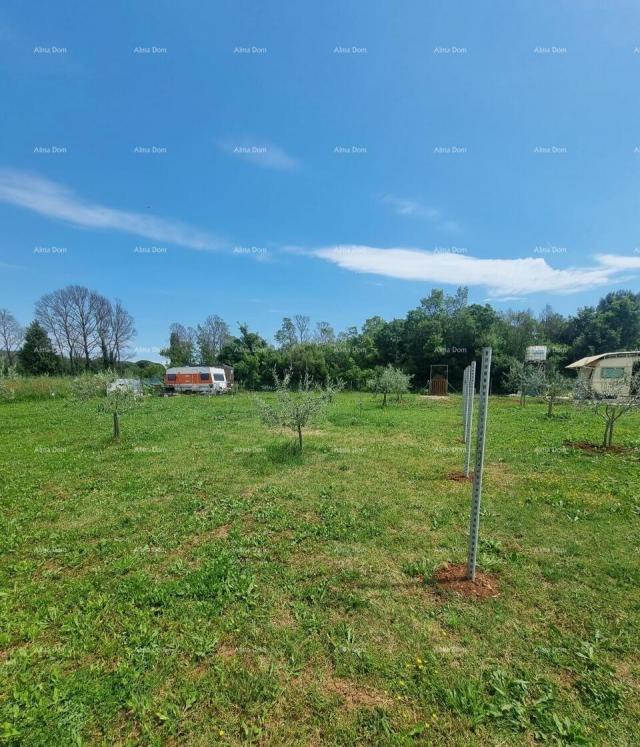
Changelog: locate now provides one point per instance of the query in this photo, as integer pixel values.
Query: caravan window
(171, 377)
(612, 372)
(204, 377)
(218, 377)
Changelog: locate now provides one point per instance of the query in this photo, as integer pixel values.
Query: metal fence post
(476, 495)
(465, 380)
(471, 392)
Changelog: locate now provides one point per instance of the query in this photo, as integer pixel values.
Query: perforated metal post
(465, 381)
(471, 391)
(476, 494)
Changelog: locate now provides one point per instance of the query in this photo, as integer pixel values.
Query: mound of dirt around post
(454, 578)
(460, 476)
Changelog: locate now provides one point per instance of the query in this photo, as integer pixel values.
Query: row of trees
(74, 328)
(442, 329)
(86, 330)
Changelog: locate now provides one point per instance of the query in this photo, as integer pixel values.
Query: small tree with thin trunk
(115, 397)
(613, 399)
(554, 385)
(388, 381)
(524, 379)
(296, 409)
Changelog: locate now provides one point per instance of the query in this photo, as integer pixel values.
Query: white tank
(536, 353)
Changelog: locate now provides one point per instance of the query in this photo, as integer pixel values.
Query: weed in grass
(421, 569)
(348, 657)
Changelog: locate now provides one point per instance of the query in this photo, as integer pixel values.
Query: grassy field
(200, 583)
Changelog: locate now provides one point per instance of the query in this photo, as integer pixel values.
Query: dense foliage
(442, 329)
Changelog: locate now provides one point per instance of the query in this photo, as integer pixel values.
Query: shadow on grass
(286, 453)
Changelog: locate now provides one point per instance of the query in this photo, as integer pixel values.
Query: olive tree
(611, 400)
(553, 385)
(296, 408)
(388, 381)
(115, 396)
(524, 379)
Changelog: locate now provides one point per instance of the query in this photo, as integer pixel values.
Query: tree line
(78, 329)
(74, 329)
(442, 329)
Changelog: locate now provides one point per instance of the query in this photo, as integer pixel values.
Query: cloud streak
(56, 201)
(415, 209)
(503, 278)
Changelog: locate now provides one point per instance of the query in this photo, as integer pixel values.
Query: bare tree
(104, 328)
(302, 324)
(11, 334)
(84, 319)
(47, 317)
(123, 331)
(61, 306)
(79, 321)
(324, 333)
(212, 335)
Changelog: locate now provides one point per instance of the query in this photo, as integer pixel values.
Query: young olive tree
(116, 396)
(388, 381)
(553, 385)
(613, 399)
(524, 379)
(296, 409)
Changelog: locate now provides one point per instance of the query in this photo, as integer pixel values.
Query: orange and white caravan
(201, 379)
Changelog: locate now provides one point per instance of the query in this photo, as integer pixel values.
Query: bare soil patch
(355, 695)
(222, 532)
(599, 449)
(454, 578)
(460, 477)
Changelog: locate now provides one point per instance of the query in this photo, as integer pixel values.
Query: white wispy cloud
(503, 278)
(57, 201)
(415, 209)
(261, 153)
(619, 261)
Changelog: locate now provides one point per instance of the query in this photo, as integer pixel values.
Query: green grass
(201, 583)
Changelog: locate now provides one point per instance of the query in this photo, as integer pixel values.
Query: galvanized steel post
(476, 495)
(465, 380)
(471, 391)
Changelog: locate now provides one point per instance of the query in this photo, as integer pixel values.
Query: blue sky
(336, 159)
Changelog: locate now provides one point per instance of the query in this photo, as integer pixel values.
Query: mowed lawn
(200, 583)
